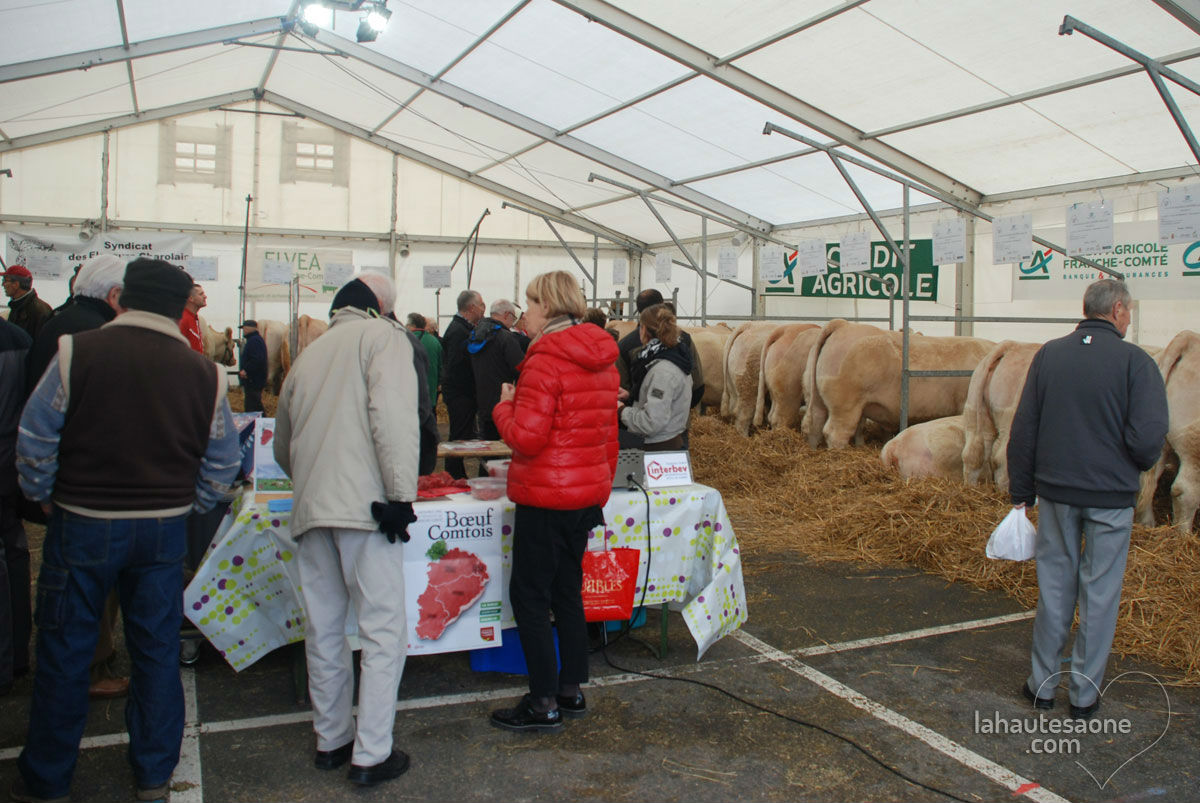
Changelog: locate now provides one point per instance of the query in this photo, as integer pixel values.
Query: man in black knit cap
(119, 458)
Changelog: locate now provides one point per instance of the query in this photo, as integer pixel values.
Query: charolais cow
(781, 375)
(218, 346)
(709, 344)
(743, 355)
(275, 335)
(1179, 363)
(992, 399)
(853, 374)
(308, 329)
(931, 449)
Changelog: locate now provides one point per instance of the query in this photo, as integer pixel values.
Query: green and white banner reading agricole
(922, 275)
(1152, 271)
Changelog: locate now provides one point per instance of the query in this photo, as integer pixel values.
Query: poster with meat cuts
(453, 577)
(269, 480)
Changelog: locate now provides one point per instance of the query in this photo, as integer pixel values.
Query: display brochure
(950, 241)
(1089, 228)
(454, 578)
(269, 480)
(667, 469)
(1179, 215)
(810, 258)
(1012, 239)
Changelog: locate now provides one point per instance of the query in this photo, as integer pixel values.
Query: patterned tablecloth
(245, 596)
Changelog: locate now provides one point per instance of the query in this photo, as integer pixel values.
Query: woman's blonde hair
(660, 322)
(558, 292)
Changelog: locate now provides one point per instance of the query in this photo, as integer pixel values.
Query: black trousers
(548, 547)
(16, 615)
(253, 399)
(462, 411)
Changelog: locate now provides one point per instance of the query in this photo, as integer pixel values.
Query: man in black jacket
(1092, 416)
(25, 309)
(16, 619)
(253, 370)
(458, 378)
(494, 352)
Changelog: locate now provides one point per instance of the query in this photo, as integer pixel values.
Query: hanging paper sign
(727, 263)
(1089, 228)
(1179, 215)
(1012, 239)
(662, 268)
(338, 273)
(620, 270)
(856, 252)
(202, 269)
(275, 271)
(810, 258)
(436, 276)
(770, 263)
(949, 241)
(45, 264)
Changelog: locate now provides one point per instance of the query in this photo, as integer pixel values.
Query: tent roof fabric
(544, 99)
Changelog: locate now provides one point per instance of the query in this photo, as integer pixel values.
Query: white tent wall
(61, 180)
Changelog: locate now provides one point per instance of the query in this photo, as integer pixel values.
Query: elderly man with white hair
(353, 430)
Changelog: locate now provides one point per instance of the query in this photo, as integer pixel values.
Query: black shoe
(1084, 711)
(572, 705)
(19, 793)
(1040, 703)
(332, 759)
(524, 718)
(391, 767)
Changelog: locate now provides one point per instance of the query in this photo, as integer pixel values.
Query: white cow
(1179, 363)
(931, 449)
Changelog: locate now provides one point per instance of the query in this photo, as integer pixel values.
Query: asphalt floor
(847, 683)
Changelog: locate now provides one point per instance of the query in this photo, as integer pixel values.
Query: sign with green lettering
(922, 275)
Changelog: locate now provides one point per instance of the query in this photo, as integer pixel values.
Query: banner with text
(1152, 271)
(309, 265)
(923, 275)
(56, 256)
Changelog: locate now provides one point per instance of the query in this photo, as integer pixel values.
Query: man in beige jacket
(353, 431)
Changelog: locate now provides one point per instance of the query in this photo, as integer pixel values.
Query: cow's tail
(815, 405)
(760, 404)
(979, 428)
(727, 390)
(1170, 357)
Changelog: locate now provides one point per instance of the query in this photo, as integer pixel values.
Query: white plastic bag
(1014, 538)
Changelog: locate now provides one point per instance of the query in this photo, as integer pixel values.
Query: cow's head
(219, 346)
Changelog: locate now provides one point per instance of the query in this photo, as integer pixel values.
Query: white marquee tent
(633, 127)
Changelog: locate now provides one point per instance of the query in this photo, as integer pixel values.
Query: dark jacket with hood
(494, 354)
(458, 379)
(1092, 416)
(29, 312)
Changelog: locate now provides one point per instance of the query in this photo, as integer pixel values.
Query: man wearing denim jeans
(119, 458)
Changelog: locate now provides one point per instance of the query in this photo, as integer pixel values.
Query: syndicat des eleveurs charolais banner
(56, 256)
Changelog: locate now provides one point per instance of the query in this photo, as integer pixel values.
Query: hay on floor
(845, 505)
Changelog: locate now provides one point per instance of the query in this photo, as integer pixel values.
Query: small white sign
(950, 241)
(337, 273)
(662, 268)
(810, 258)
(666, 469)
(727, 262)
(1089, 228)
(770, 263)
(276, 271)
(45, 264)
(1012, 239)
(620, 270)
(436, 276)
(202, 269)
(855, 252)
(1179, 215)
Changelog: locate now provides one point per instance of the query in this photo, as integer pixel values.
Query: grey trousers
(1081, 554)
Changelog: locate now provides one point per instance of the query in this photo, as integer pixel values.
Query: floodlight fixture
(317, 13)
(377, 18)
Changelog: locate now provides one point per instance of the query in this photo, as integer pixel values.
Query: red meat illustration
(456, 580)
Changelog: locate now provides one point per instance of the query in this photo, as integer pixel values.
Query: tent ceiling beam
(1033, 94)
(1170, 174)
(1185, 15)
(435, 163)
(136, 50)
(592, 229)
(538, 129)
(783, 157)
(124, 120)
(757, 89)
(128, 64)
(658, 90)
(468, 50)
(279, 40)
(507, 158)
(816, 19)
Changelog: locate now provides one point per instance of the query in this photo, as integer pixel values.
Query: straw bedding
(845, 505)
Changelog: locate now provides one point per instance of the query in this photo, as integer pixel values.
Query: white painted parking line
(925, 632)
(968, 758)
(187, 778)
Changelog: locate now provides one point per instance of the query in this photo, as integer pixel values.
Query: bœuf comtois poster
(453, 577)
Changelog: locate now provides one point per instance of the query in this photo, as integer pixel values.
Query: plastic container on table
(487, 488)
(497, 468)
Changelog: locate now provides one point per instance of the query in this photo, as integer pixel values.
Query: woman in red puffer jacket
(561, 423)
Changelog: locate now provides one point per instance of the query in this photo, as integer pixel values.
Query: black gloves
(393, 518)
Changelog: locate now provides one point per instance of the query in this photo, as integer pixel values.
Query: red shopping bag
(609, 581)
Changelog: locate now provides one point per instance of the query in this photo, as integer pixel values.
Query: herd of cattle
(827, 381)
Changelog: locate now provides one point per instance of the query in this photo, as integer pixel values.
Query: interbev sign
(1151, 270)
(923, 275)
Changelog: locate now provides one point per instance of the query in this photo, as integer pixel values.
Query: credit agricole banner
(923, 275)
(1151, 270)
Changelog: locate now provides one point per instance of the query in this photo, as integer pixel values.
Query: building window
(314, 154)
(194, 154)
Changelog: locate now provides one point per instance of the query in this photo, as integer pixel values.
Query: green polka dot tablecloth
(245, 597)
